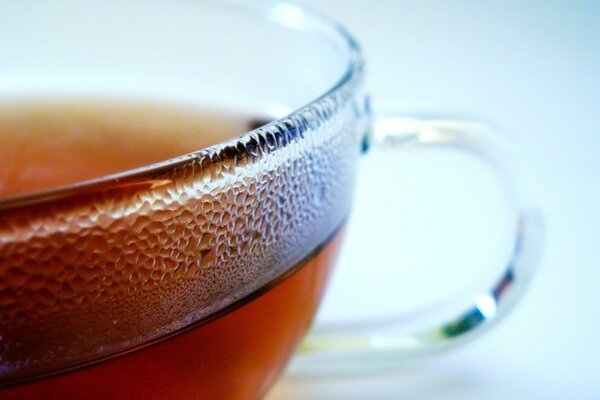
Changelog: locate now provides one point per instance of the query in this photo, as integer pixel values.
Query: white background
(535, 68)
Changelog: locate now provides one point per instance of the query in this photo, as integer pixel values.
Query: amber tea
(156, 298)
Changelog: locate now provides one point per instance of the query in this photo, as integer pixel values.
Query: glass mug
(198, 276)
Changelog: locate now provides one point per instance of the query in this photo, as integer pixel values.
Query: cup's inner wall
(263, 60)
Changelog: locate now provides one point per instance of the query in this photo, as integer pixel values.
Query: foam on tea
(188, 287)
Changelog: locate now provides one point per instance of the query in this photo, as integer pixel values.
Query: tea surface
(55, 142)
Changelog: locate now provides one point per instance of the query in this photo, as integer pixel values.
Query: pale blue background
(535, 67)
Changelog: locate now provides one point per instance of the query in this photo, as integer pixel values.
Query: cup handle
(359, 347)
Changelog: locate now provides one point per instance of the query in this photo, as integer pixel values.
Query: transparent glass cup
(198, 276)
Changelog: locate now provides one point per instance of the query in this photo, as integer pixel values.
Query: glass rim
(271, 11)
